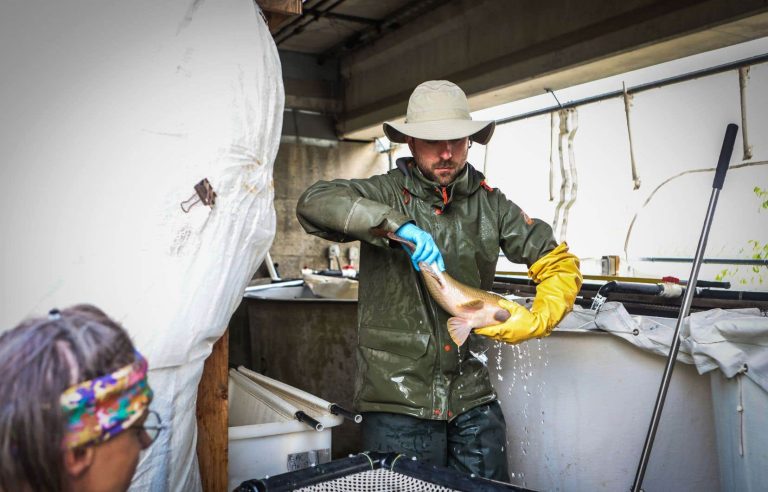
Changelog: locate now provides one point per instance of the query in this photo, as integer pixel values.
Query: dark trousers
(473, 442)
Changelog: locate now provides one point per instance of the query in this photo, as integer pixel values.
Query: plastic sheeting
(112, 112)
(733, 340)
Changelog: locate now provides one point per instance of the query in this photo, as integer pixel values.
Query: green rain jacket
(407, 363)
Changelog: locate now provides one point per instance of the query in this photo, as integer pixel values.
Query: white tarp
(112, 112)
(732, 340)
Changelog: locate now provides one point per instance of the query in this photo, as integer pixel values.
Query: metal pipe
(722, 167)
(287, 283)
(717, 261)
(298, 19)
(640, 88)
(271, 268)
(370, 34)
(342, 17)
(296, 30)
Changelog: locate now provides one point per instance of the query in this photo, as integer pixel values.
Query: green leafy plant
(756, 251)
(762, 195)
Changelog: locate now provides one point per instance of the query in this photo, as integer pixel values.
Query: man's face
(440, 160)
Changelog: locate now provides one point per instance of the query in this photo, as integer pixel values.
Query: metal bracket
(203, 194)
(314, 457)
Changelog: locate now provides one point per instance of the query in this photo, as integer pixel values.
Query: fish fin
(427, 270)
(458, 329)
(473, 305)
(394, 237)
(501, 315)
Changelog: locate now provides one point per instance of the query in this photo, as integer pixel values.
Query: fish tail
(458, 329)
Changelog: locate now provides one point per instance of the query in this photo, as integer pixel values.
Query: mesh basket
(376, 472)
(375, 481)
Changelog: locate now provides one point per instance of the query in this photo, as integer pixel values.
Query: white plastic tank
(578, 405)
(741, 411)
(265, 438)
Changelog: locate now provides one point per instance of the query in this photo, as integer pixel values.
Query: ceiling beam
(343, 17)
(500, 51)
(287, 7)
(394, 21)
(298, 25)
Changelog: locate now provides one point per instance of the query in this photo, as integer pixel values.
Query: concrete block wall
(297, 166)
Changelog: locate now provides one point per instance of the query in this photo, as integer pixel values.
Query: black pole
(303, 417)
(349, 415)
(717, 185)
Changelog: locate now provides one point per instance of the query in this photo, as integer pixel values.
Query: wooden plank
(285, 7)
(212, 417)
(275, 20)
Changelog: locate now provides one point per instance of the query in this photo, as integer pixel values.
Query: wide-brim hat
(438, 110)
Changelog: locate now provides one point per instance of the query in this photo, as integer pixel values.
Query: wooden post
(278, 11)
(212, 417)
(288, 7)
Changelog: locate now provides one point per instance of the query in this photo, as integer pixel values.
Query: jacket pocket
(407, 344)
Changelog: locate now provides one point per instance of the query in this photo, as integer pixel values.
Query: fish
(470, 308)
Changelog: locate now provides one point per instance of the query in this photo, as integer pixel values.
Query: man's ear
(409, 141)
(77, 461)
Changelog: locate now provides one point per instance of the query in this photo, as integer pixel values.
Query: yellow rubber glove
(559, 280)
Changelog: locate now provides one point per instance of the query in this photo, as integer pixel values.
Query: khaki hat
(438, 110)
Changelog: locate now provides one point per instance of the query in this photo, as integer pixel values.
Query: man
(421, 394)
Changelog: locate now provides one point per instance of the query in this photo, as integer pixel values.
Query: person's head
(440, 160)
(74, 400)
(439, 130)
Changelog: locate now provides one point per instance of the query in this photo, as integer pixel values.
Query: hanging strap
(627, 105)
(552, 156)
(565, 181)
(574, 175)
(743, 78)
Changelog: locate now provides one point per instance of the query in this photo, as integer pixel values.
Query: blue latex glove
(426, 249)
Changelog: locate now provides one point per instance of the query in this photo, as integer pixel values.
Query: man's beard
(444, 179)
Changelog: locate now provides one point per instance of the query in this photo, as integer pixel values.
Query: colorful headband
(101, 408)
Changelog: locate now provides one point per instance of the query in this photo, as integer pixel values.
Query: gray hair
(39, 359)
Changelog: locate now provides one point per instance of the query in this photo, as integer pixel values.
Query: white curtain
(112, 112)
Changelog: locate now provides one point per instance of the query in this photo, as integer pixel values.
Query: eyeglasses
(152, 426)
